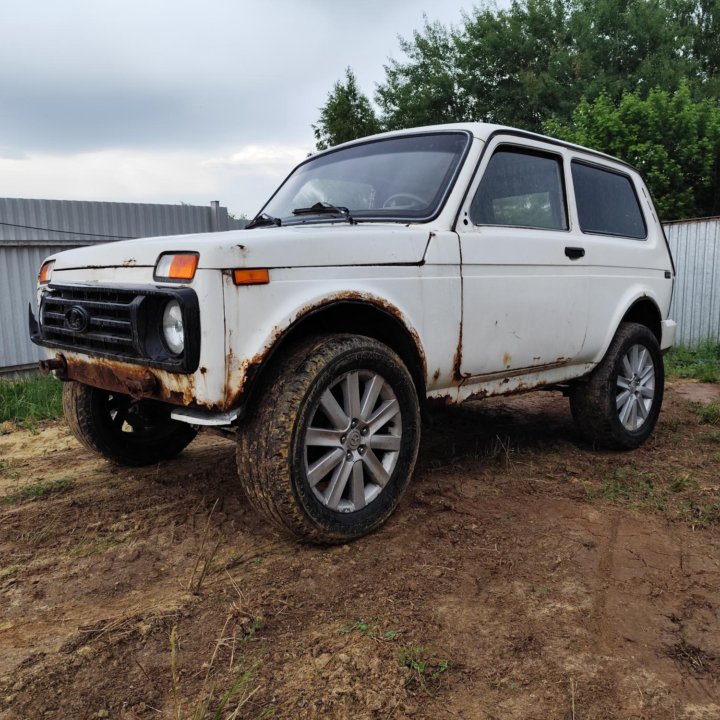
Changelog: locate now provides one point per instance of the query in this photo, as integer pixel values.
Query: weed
(206, 561)
(698, 515)
(38, 490)
(7, 469)
(36, 537)
(424, 668)
(708, 414)
(28, 401)
(372, 631)
(701, 362)
(360, 626)
(539, 591)
(501, 450)
(88, 546)
(9, 571)
(210, 703)
(501, 685)
(680, 482)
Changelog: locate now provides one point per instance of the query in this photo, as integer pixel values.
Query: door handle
(574, 253)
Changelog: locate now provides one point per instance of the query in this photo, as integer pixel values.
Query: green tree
(425, 89)
(624, 46)
(517, 64)
(671, 138)
(538, 58)
(346, 115)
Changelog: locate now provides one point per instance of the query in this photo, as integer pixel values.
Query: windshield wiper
(325, 208)
(263, 220)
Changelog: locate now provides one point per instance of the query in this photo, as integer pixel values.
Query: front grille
(109, 313)
(123, 323)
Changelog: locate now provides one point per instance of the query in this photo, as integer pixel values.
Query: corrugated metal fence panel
(18, 271)
(30, 230)
(24, 219)
(695, 245)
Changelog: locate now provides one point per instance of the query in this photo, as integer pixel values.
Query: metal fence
(30, 230)
(695, 246)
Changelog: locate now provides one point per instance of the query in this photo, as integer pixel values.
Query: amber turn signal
(255, 276)
(176, 266)
(46, 272)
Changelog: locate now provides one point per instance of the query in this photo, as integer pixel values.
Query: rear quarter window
(606, 202)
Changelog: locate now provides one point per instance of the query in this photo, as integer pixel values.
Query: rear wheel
(331, 449)
(620, 403)
(123, 430)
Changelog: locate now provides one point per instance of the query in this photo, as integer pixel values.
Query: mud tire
(594, 403)
(97, 419)
(271, 448)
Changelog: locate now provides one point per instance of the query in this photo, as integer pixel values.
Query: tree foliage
(555, 63)
(425, 90)
(539, 58)
(673, 140)
(346, 115)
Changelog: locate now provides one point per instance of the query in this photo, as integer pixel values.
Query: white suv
(434, 264)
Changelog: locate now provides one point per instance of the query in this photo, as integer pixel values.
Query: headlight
(172, 325)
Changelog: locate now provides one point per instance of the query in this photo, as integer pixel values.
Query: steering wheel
(403, 200)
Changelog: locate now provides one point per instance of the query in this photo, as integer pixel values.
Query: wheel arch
(354, 315)
(645, 311)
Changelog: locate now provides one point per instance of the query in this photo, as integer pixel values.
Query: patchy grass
(708, 414)
(93, 546)
(38, 490)
(679, 496)
(701, 362)
(30, 401)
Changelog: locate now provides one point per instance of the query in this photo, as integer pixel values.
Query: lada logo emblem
(77, 319)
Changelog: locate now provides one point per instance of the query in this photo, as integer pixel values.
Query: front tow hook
(56, 365)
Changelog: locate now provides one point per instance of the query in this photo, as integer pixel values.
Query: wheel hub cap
(353, 441)
(635, 387)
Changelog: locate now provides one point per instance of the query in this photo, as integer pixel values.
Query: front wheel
(332, 445)
(620, 403)
(123, 430)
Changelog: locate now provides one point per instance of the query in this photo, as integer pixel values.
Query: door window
(521, 188)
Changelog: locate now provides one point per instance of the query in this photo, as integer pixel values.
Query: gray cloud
(170, 100)
(82, 75)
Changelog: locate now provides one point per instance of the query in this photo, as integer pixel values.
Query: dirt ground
(525, 575)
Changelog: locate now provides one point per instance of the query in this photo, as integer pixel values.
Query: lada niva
(434, 264)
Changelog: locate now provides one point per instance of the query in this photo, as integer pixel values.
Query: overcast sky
(176, 101)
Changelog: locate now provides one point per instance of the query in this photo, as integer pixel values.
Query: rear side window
(521, 188)
(606, 202)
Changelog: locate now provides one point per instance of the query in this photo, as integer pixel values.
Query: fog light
(172, 325)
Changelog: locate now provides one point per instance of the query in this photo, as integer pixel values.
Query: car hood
(295, 246)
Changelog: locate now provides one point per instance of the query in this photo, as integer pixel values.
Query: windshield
(400, 178)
